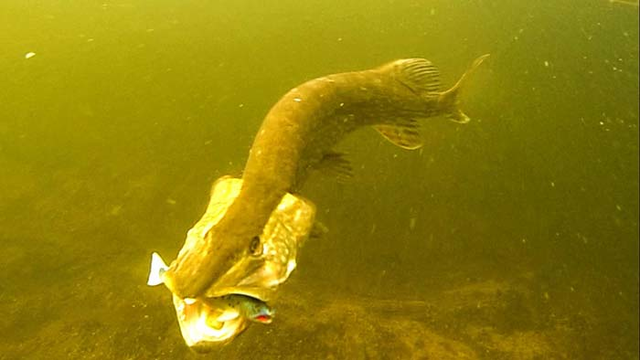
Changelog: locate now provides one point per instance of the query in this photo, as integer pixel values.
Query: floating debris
(29, 55)
(625, 2)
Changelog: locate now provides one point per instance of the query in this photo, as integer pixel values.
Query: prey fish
(234, 305)
(205, 321)
(298, 135)
(226, 307)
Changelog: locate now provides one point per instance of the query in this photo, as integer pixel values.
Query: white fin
(158, 267)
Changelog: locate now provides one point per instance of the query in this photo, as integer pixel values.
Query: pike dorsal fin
(405, 134)
(420, 75)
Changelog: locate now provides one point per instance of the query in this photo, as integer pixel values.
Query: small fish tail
(450, 99)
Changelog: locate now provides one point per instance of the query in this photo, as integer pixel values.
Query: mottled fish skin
(299, 130)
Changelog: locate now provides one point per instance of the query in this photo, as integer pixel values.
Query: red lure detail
(263, 318)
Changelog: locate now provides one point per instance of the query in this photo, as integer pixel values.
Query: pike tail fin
(450, 101)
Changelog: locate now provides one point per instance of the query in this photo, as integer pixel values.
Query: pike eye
(255, 248)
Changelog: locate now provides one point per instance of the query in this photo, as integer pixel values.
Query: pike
(297, 136)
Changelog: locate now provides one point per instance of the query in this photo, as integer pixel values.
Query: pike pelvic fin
(450, 101)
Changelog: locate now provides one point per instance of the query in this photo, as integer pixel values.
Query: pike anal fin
(406, 136)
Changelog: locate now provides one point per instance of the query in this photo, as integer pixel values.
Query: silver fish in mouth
(298, 136)
(213, 321)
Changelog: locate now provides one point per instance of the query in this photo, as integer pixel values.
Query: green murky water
(512, 237)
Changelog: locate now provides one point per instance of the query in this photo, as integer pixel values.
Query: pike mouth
(203, 327)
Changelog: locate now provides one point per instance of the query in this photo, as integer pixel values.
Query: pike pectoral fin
(318, 230)
(406, 136)
(336, 164)
(158, 267)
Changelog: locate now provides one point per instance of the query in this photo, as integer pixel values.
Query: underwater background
(512, 237)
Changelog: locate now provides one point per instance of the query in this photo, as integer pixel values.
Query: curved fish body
(297, 136)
